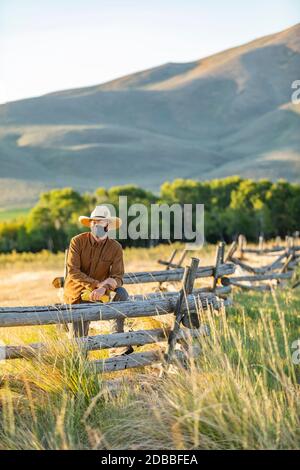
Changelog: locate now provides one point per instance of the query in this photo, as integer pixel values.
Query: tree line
(233, 205)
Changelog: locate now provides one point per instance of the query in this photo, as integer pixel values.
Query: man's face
(97, 228)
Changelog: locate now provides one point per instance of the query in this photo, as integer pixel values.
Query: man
(95, 262)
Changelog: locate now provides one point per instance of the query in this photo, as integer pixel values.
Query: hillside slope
(225, 114)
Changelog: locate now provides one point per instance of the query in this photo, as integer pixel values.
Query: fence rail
(170, 275)
(50, 315)
(104, 341)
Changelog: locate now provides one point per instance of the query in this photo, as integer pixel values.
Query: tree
(281, 200)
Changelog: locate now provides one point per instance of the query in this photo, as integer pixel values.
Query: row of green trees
(232, 205)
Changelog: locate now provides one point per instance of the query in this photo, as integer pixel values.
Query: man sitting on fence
(95, 262)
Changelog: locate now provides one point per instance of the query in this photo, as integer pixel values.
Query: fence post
(241, 245)
(261, 243)
(231, 251)
(219, 260)
(287, 241)
(171, 259)
(191, 319)
(182, 258)
(289, 258)
(188, 283)
(168, 265)
(291, 242)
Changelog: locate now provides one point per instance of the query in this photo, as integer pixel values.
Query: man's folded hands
(109, 283)
(96, 294)
(103, 286)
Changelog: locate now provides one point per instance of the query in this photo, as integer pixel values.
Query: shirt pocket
(105, 262)
(103, 266)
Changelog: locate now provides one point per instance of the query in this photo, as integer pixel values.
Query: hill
(229, 113)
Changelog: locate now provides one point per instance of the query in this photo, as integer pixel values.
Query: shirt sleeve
(117, 267)
(73, 264)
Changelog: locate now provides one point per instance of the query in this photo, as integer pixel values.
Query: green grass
(42, 259)
(7, 215)
(242, 392)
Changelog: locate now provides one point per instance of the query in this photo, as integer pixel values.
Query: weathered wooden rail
(171, 275)
(104, 341)
(65, 313)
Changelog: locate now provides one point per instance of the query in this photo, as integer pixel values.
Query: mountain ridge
(229, 113)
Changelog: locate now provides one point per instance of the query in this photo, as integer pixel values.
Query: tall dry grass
(241, 392)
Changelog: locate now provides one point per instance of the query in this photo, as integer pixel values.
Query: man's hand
(96, 294)
(110, 283)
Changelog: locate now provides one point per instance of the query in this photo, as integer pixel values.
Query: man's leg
(79, 328)
(117, 326)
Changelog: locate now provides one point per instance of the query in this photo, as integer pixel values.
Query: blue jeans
(117, 326)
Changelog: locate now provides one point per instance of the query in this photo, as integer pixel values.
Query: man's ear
(106, 228)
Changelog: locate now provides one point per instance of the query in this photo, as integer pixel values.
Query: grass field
(7, 215)
(242, 392)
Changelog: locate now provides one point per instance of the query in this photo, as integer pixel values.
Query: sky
(50, 45)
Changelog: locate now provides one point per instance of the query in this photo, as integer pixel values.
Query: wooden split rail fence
(255, 278)
(259, 278)
(291, 242)
(185, 305)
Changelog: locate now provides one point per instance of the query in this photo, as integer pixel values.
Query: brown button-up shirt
(89, 262)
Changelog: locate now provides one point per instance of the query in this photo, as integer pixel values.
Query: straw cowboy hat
(101, 213)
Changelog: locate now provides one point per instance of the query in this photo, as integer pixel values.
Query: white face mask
(98, 230)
